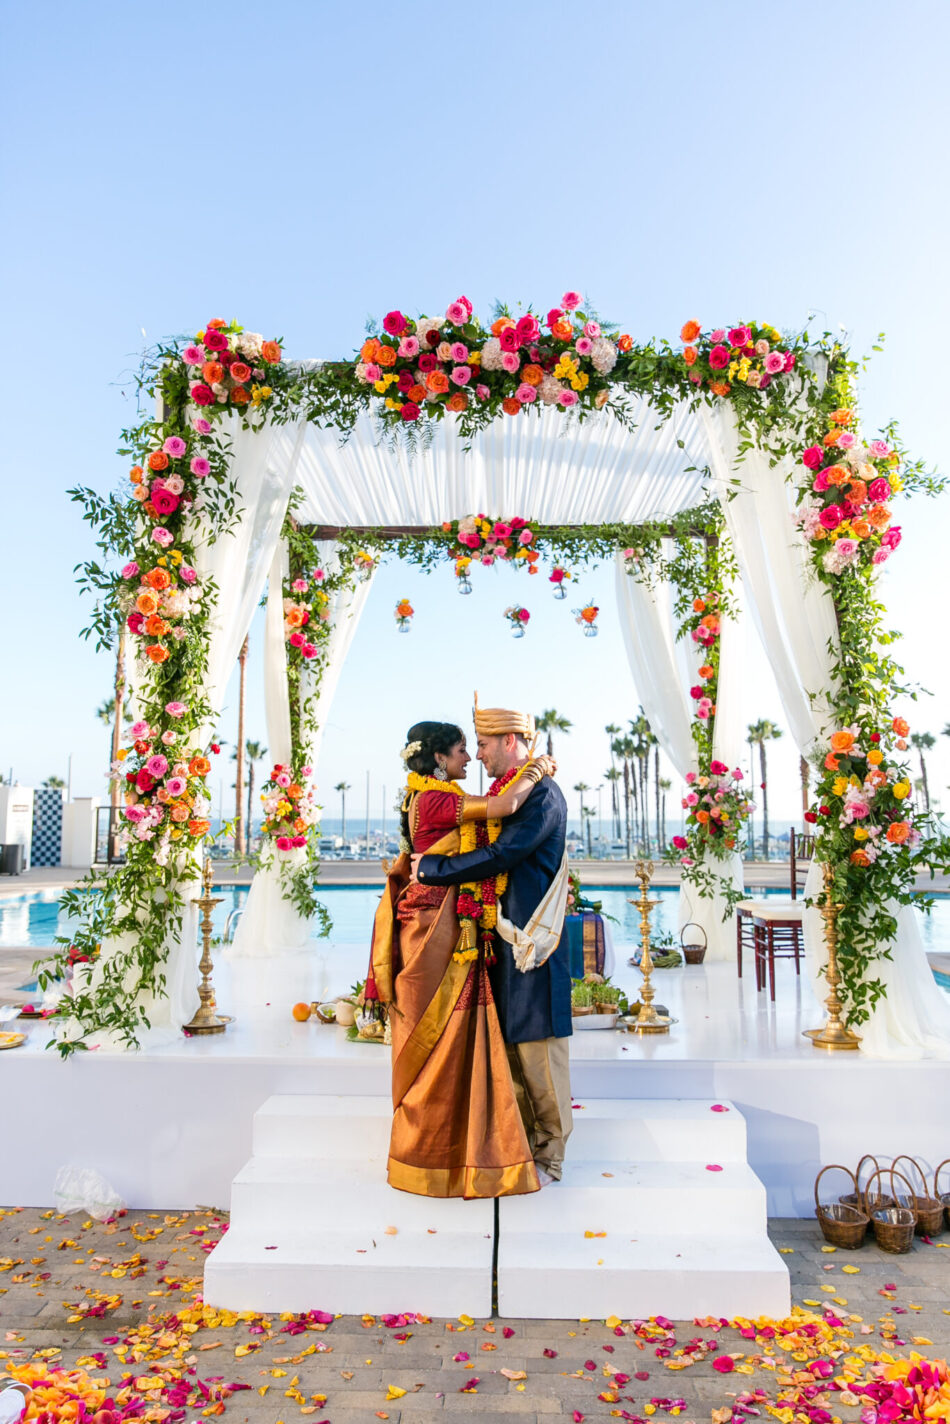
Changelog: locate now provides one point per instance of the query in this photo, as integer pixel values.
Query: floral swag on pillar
(411, 374)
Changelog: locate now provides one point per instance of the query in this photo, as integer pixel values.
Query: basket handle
(893, 1173)
(868, 1157)
(944, 1163)
(918, 1169)
(692, 924)
(836, 1167)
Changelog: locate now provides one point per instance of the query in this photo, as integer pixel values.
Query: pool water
(34, 919)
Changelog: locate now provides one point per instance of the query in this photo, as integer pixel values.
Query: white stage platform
(171, 1127)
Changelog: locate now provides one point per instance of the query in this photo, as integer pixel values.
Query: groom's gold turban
(498, 722)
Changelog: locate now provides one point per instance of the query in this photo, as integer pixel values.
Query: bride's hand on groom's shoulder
(414, 868)
(547, 764)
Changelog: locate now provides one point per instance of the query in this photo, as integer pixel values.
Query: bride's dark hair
(432, 737)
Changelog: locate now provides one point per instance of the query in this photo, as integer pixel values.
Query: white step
(678, 1275)
(273, 1193)
(610, 1129)
(352, 1272)
(641, 1197)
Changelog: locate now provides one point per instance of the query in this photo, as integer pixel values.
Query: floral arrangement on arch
(846, 515)
(482, 540)
(290, 813)
(750, 355)
(166, 800)
(306, 616)
(434, 365)
(716, 806)
(230, 367)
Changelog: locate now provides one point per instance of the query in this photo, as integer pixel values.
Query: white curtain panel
(270, 925)
(795, 617)
(662, 674)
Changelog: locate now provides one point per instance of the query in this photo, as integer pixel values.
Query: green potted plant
(581, 998)
(606, 998)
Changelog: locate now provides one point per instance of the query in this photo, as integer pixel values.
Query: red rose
(202, 394)
(554, 316)
(395, 323)
(410, 411)
(433, 337)
(215, 341)
(719, 358)
(810, 817)
(144, 782)
(875, 737)
(164, 501)
(824, 810)
(427, 361)
(405, 382)
(135, 622)
(509, 339)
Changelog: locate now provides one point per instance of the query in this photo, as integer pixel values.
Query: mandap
(732, 458)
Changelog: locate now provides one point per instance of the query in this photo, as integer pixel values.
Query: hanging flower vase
(560, 591)
(517, 630)
(559, 577)
(591, 630)
(464, 583)
(518, 618)
(587, 618)
(404, 613)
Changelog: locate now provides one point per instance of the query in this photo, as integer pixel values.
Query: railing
(109, 848)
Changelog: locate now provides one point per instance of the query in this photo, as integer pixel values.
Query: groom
(534, 1004)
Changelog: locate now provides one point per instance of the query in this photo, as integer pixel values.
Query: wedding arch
(539, 442)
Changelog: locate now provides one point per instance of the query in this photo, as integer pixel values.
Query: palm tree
(550, 722)
(759, 733)
(239, 752)
(665, 785)
(254, 752)
(612, 731)
(643, 741)
(580, 788)
(625, 749)
(613, 776)
(343, 787)
(55, 783)
(923, 741)
(588, 814)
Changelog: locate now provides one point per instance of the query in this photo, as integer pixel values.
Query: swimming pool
(33, 919)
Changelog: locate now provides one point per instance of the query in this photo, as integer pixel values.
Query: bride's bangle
(473, 808)
(533, 773)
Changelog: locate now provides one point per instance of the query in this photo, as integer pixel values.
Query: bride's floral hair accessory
(410, 750)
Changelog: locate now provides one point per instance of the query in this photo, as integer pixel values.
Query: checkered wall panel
(47, 826)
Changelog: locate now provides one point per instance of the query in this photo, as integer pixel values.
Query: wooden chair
(800, 847)
(778, 935)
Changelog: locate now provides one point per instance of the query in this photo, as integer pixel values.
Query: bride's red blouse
(431, 815)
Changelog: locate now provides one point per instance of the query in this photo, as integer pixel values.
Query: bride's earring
(440, 772)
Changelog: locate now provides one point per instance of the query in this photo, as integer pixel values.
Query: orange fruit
(301, 1012)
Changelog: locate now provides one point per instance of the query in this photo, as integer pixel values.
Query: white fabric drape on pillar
(795, 617)
(270, 924)
(662, 674)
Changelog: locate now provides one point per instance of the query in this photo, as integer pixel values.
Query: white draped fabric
(270, 924)
(663, 669)
(795, 618)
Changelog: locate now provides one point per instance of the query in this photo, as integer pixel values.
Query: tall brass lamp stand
(207, 1019)
(835, 1034)
(647, 1020)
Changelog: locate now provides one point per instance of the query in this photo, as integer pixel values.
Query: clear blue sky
(301, 166)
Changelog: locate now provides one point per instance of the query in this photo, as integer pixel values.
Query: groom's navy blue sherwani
(537, 1004)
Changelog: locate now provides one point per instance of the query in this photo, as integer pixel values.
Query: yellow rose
(839, 785)
(860, 834)
(901, 790)
(379, 387)
(875, 757)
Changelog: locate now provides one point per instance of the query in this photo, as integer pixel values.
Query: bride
(457, 1130)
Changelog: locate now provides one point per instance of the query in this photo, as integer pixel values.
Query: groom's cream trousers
(542, 1079)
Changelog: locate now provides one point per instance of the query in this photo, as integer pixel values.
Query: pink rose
(298, 841)
(831, 517)
(774, 363)
(526, 394)
(527, 329)
(372, 372)
(457, 314)
(821, 481)
(879, 449)
(719, 357)
(395, 323)
(501, 531)
(193, 356)
(553, 317)
(408, 347)
(846, 440)
(164, 501)
(162, 536)
(680, 842)
(283, 843)
(717, 335)
(296, 639)
(739, 335)
(458, 351)
(692, 799)
(813, 457)
(510, 361)
(131, 570)
(846, 548)
(461, 375)
(202, 426)
(138, 730)
(880, 556)
(703, 708)
(567, 398)
(200, 467)
(175, 785)
(789, 360)
(215, 340)
(526, 536)
(175, 709)
(891, 537)
(571, 301)
(508, 339)
(879, 490)
(718, 768)
(690, 777)
(135, 813)
(202, 394)
(582, 345)
(482, 392)
(157, 765)
(592, 329)
(186, 573)
(696, 692)
(175, 447)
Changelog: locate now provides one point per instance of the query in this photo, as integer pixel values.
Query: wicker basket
(929, 1208)
(944, 1197)
(693, 953)
(858, 1196)
(840, 1224)
(893, 1226)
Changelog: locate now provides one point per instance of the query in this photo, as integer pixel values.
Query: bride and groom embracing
(468, 961)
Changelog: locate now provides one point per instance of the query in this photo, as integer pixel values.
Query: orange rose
(705, 671)
(533, 375)
(416, 393)
(831, 762)
(842, 741)
(857, 491)
(900, 726)
(199, 828)
(689, 355)
(179, 812)
(294, 617)
(155, 626)
(720, 388)
(875, 778)
(878, 516)
(690, 331)
(699, 605)
(386, 355)
(457, 401)
(199, 766)
(156, 653)
(438, 382)
(897, 832)
(300, 826)
(213, 372)
(510, 406)
(270, 351)
(216, 321)
(497, 327)
(135, 474)
(711, 621)
(240, 396)
(368, 349)
(625, 343)
(158, 460)
(146, 602)
(861, 528)
(533, 555)
(702, 817)
(158, 578)
(562, 330)
(875, 757)
(293, 790)
(837, 474)
(404, 608)
(842, 416)
(901, 745)
(860, 857)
